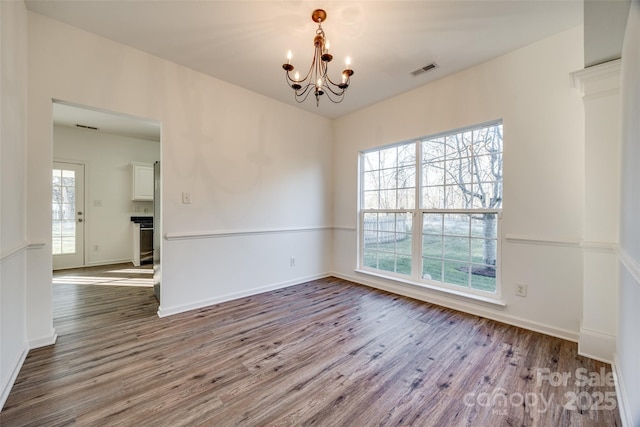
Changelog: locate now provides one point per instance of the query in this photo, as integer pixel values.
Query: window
(64, 212)
(430, 209)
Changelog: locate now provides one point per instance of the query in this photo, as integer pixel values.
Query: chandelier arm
(330, 84)
(338, 84)
(288, 79)
(308, 72)
(300, 98)
(340, 93)
(301, 81)
(338, 96)
(306, 88)
(333, 87)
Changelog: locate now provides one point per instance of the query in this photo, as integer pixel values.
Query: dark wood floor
(327, 353)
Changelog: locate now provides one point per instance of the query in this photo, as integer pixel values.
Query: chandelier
(316, 80)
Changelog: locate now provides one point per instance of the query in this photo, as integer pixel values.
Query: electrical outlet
(521, 289)
(186, 198)
(292, 261)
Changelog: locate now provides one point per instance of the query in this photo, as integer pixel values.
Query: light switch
(186, 198)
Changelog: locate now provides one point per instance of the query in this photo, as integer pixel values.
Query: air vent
(86, 127)
(423, 69)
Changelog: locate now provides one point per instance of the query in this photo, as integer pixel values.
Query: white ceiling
(65, 114)
(245, 42)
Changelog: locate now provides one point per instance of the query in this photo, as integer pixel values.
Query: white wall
(257, 169)
(543, 222)
(628, 350)
(107, 160)
(13, 242)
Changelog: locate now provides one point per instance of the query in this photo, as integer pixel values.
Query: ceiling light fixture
(317, 80)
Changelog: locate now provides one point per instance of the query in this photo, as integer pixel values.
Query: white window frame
(417, 214)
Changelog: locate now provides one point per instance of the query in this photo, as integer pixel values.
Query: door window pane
(63, 212)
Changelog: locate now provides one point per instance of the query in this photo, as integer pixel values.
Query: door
(67, 215)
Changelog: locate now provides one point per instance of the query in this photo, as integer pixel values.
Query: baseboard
(477, 310)
(98, 264)
(400, 290)
(108, 262)
(596, 345)
(164, 312)
(621, 395)
(6, 388)
(44, 341)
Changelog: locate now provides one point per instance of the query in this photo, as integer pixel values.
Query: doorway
(67, 215)
(93, 187)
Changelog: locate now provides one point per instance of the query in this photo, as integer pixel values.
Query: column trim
(598, 78)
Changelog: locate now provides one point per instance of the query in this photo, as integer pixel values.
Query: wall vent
(86, 127)
(423, 69)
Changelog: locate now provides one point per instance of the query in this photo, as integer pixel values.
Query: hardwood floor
(125, 274)
(327, 353)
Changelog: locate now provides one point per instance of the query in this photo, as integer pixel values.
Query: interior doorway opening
(96, 202)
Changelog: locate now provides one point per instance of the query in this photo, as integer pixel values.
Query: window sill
(446, 291)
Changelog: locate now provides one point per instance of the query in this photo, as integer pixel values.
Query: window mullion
(470, 266)
(416, 231)
(361, 206)
(418, 197)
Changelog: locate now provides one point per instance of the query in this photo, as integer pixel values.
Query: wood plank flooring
(324, 353)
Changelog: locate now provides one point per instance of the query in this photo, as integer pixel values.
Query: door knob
(79, 213)
(79, 219)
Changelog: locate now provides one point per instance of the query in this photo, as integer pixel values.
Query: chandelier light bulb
(348, 62)
(296, 76)
(289, 56)
(319, 83)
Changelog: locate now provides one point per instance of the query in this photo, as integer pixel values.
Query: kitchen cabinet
(142, 179)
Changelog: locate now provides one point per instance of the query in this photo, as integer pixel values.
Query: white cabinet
(142, 174)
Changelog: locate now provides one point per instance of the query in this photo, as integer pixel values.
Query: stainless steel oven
(146, 245)
(146, 238)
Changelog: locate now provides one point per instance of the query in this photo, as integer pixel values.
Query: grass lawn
(454, 269)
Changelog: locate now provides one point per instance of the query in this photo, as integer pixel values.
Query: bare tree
(389, 183)
(472, 164)
(460, 171)
(390, 174)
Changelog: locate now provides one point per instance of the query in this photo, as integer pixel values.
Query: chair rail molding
(236, 233)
